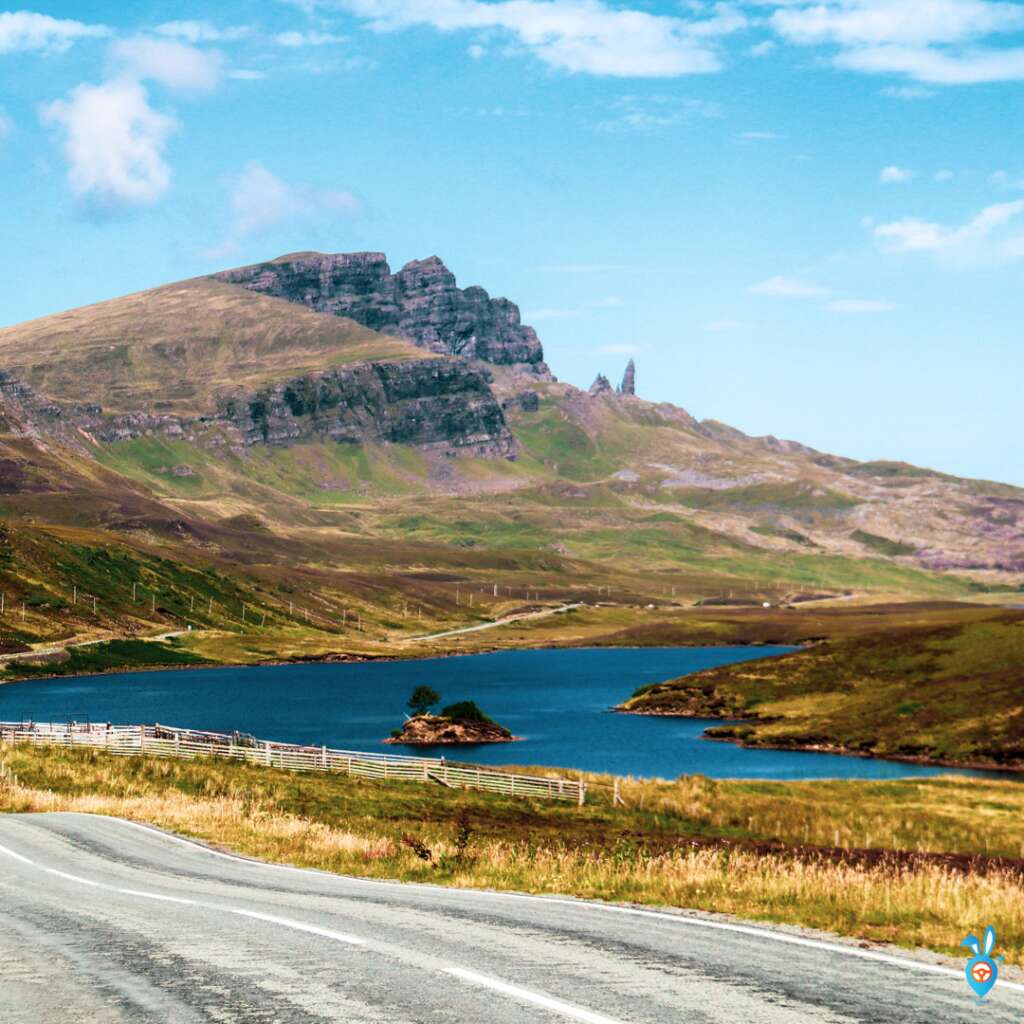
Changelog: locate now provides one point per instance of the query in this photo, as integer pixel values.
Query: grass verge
(917, 863)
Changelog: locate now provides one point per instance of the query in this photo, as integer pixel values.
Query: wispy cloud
(261, 201)
(296, 39)
(760, 136)
(25, 31)
(941, 42)
(203, 31)
(789, 288)
(586, 36)
(906, 92)
(172, 63)
(893, 175)
(992, 235)
(648, 113)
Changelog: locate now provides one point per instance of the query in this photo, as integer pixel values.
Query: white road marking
(471, 977)
(284, 922)
(679, 919)
(525, 995)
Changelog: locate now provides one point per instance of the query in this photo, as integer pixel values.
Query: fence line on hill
(170, 741)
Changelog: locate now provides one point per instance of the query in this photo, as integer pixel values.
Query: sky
(800, 218)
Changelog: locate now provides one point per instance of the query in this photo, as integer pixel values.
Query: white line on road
(524, 995)
(284, 922)
(471, 977)
(678, 919)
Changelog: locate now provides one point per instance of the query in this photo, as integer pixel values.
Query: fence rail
(169, 741)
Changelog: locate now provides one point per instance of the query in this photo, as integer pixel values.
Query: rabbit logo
(981, 969)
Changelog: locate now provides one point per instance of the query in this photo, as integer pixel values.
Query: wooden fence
(168, 741)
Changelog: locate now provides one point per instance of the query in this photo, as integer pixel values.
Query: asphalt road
(105, 921)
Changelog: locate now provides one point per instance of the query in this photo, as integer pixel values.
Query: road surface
(521, 617)
(106, 922)
(39, 652)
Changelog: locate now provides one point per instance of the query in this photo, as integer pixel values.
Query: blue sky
(804, 219)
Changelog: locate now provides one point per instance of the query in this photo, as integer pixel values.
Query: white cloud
(260, 201)
(893, 175)
(169, 62)
(649, 113)
(586, 36)
(851, 23)
(6, 124)
(717, 326)
(762, 49)
(860, 306)
(114, 142)
(789, 288)
(938, 67)
(202, 31)
(944, 175)
(988, 236)
(25, 30)
(935, 41)
(297, 39)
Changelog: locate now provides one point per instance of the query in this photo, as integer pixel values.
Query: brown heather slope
(172, 349)
(947, 693)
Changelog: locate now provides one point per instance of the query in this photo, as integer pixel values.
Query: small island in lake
(460, 723)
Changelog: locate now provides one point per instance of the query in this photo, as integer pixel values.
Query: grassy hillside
(901, 861)
(171, 349)
(952, 693)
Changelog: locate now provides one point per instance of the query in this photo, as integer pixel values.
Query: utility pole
(243, 614)
(94, 604)
(135, 587)
(192, 603)
(76, 593)
(210, 612)
(153, 605)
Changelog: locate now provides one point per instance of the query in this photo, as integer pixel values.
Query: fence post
(142, 738)
(582, 793)
(323, 756)
(266, 747)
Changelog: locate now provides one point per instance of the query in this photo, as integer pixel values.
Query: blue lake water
(558, 700)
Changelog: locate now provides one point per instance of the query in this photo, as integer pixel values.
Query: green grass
(955, 689)
(812, 854)
(114, 656)
(882, 545)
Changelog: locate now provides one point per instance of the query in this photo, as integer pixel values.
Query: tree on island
(422, 700)
(465, 711)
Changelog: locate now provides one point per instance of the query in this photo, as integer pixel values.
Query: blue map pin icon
(981, 970)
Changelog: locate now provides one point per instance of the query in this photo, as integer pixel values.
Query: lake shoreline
(335, 658)
(825, 748)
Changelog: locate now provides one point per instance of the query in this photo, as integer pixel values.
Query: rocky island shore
(431, 730)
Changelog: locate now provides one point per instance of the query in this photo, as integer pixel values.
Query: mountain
(319, 424)
(420, 303)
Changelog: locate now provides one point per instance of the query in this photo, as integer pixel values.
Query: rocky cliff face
(420, 303)
(445, 404)
(439, 403)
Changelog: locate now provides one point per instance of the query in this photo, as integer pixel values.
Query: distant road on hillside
(105, 922)
(498, 622)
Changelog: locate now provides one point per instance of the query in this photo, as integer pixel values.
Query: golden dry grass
(360, 828)
(171, 349)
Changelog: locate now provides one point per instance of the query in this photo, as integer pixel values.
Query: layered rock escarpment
(440, 403)
(445, 404)
(420, 303)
